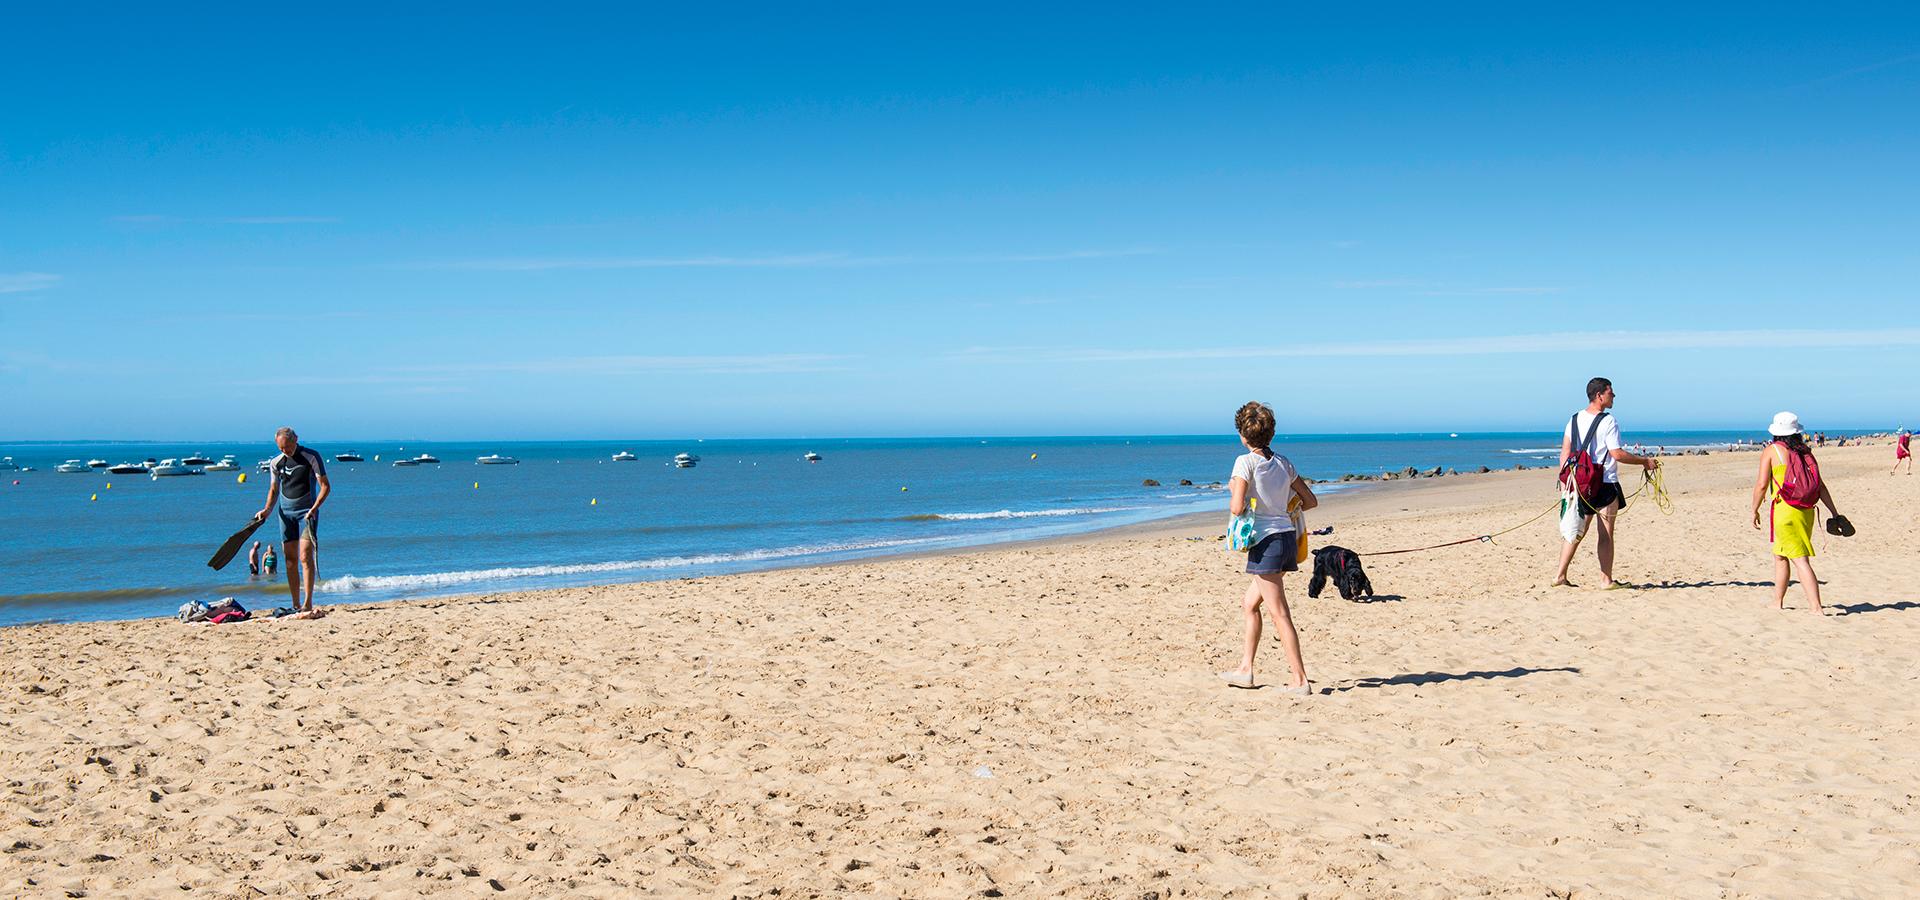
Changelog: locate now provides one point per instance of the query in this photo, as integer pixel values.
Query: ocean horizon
(98, 546)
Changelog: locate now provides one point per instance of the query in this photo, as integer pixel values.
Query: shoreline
(1352, 495)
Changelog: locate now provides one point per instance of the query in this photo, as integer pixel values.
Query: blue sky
(625, 222)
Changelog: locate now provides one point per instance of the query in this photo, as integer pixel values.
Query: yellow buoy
(93, 498)
(243, 479)
(903, 487)
(594, 502)
(476, 485)
(109, 485)
(1035, 456)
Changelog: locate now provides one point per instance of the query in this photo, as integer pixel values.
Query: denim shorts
(1274, 554)
(291, 521)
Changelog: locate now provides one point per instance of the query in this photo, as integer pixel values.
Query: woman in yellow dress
(1792, 527)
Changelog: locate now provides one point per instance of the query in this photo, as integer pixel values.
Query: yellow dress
(1792, 526)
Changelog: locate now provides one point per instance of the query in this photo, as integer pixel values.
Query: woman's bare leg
(1810, 583)
(1779, 582)
(1275, 595)
(1250, 610)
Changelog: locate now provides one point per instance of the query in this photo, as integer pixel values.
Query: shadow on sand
(1854, 609)
(1670, 585)
(1419, 678)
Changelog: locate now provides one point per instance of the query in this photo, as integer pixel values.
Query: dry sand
(1025, 721)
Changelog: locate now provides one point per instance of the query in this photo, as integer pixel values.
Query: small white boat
(426, 458)
(686, 461)
(811, 456)
(96, 464)
(624, 456)
(495, 459)
(171, 467)
(7, 464)
(264, 465)
(127, 468)
(72, 467)
(226, 464)
(349, 456)
(405, 463)
(198, 459)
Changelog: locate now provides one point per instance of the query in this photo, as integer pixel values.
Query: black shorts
(1607, 493)
(1274, 554)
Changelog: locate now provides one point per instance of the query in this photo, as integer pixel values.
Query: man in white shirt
(1606, 452)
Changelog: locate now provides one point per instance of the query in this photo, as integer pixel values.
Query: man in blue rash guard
(299, 481)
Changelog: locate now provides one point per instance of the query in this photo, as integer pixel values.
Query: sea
(98, 546)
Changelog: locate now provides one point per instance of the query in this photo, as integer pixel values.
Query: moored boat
(495, 459)
(127, 468)
(349, 456)
(96, 464)
(686, 461)
(172, 467)
(72, 466)
(426, 458)
(624, 456)
(198, 459)
(226, 464)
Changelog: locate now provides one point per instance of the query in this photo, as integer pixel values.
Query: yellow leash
(1653, 483)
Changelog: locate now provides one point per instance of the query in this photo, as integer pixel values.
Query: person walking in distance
(1596, 432)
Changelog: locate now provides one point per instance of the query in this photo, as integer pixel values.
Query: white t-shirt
(1269, 481)
(1604, 440)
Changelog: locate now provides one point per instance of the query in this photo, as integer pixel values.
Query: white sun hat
(1784, 424)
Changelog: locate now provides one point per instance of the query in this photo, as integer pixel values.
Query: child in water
(1267, 481)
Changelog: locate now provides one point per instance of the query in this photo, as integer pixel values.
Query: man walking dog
(1595, 432)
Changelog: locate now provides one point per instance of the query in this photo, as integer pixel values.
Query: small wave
(1533, 450)
(350, 583)
(1022, 513)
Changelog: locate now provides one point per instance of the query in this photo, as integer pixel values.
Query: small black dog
(1343, 566)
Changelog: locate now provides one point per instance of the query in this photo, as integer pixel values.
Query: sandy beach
(1033, 720)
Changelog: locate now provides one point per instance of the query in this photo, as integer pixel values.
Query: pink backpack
(1800, 487)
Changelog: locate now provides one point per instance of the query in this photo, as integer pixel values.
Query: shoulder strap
(1592, 429)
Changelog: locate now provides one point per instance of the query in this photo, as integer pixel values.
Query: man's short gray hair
(284, 431)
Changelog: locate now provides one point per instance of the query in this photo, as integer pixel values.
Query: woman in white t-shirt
(1266, 482)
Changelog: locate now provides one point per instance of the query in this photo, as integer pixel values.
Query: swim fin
(229, 549)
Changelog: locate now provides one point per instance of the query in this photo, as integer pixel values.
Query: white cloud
(152, 219)
(803, 260)
(613, 366)
(1430, 289)
(21, 282)
(1558, 342)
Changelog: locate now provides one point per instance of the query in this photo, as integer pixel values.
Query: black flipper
(227, 550)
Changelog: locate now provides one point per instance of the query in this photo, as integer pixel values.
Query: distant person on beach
(1267, 483)
(1791, 525)
(253, 560)
(1902, 452)
(1606, 452)
(299, 481)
